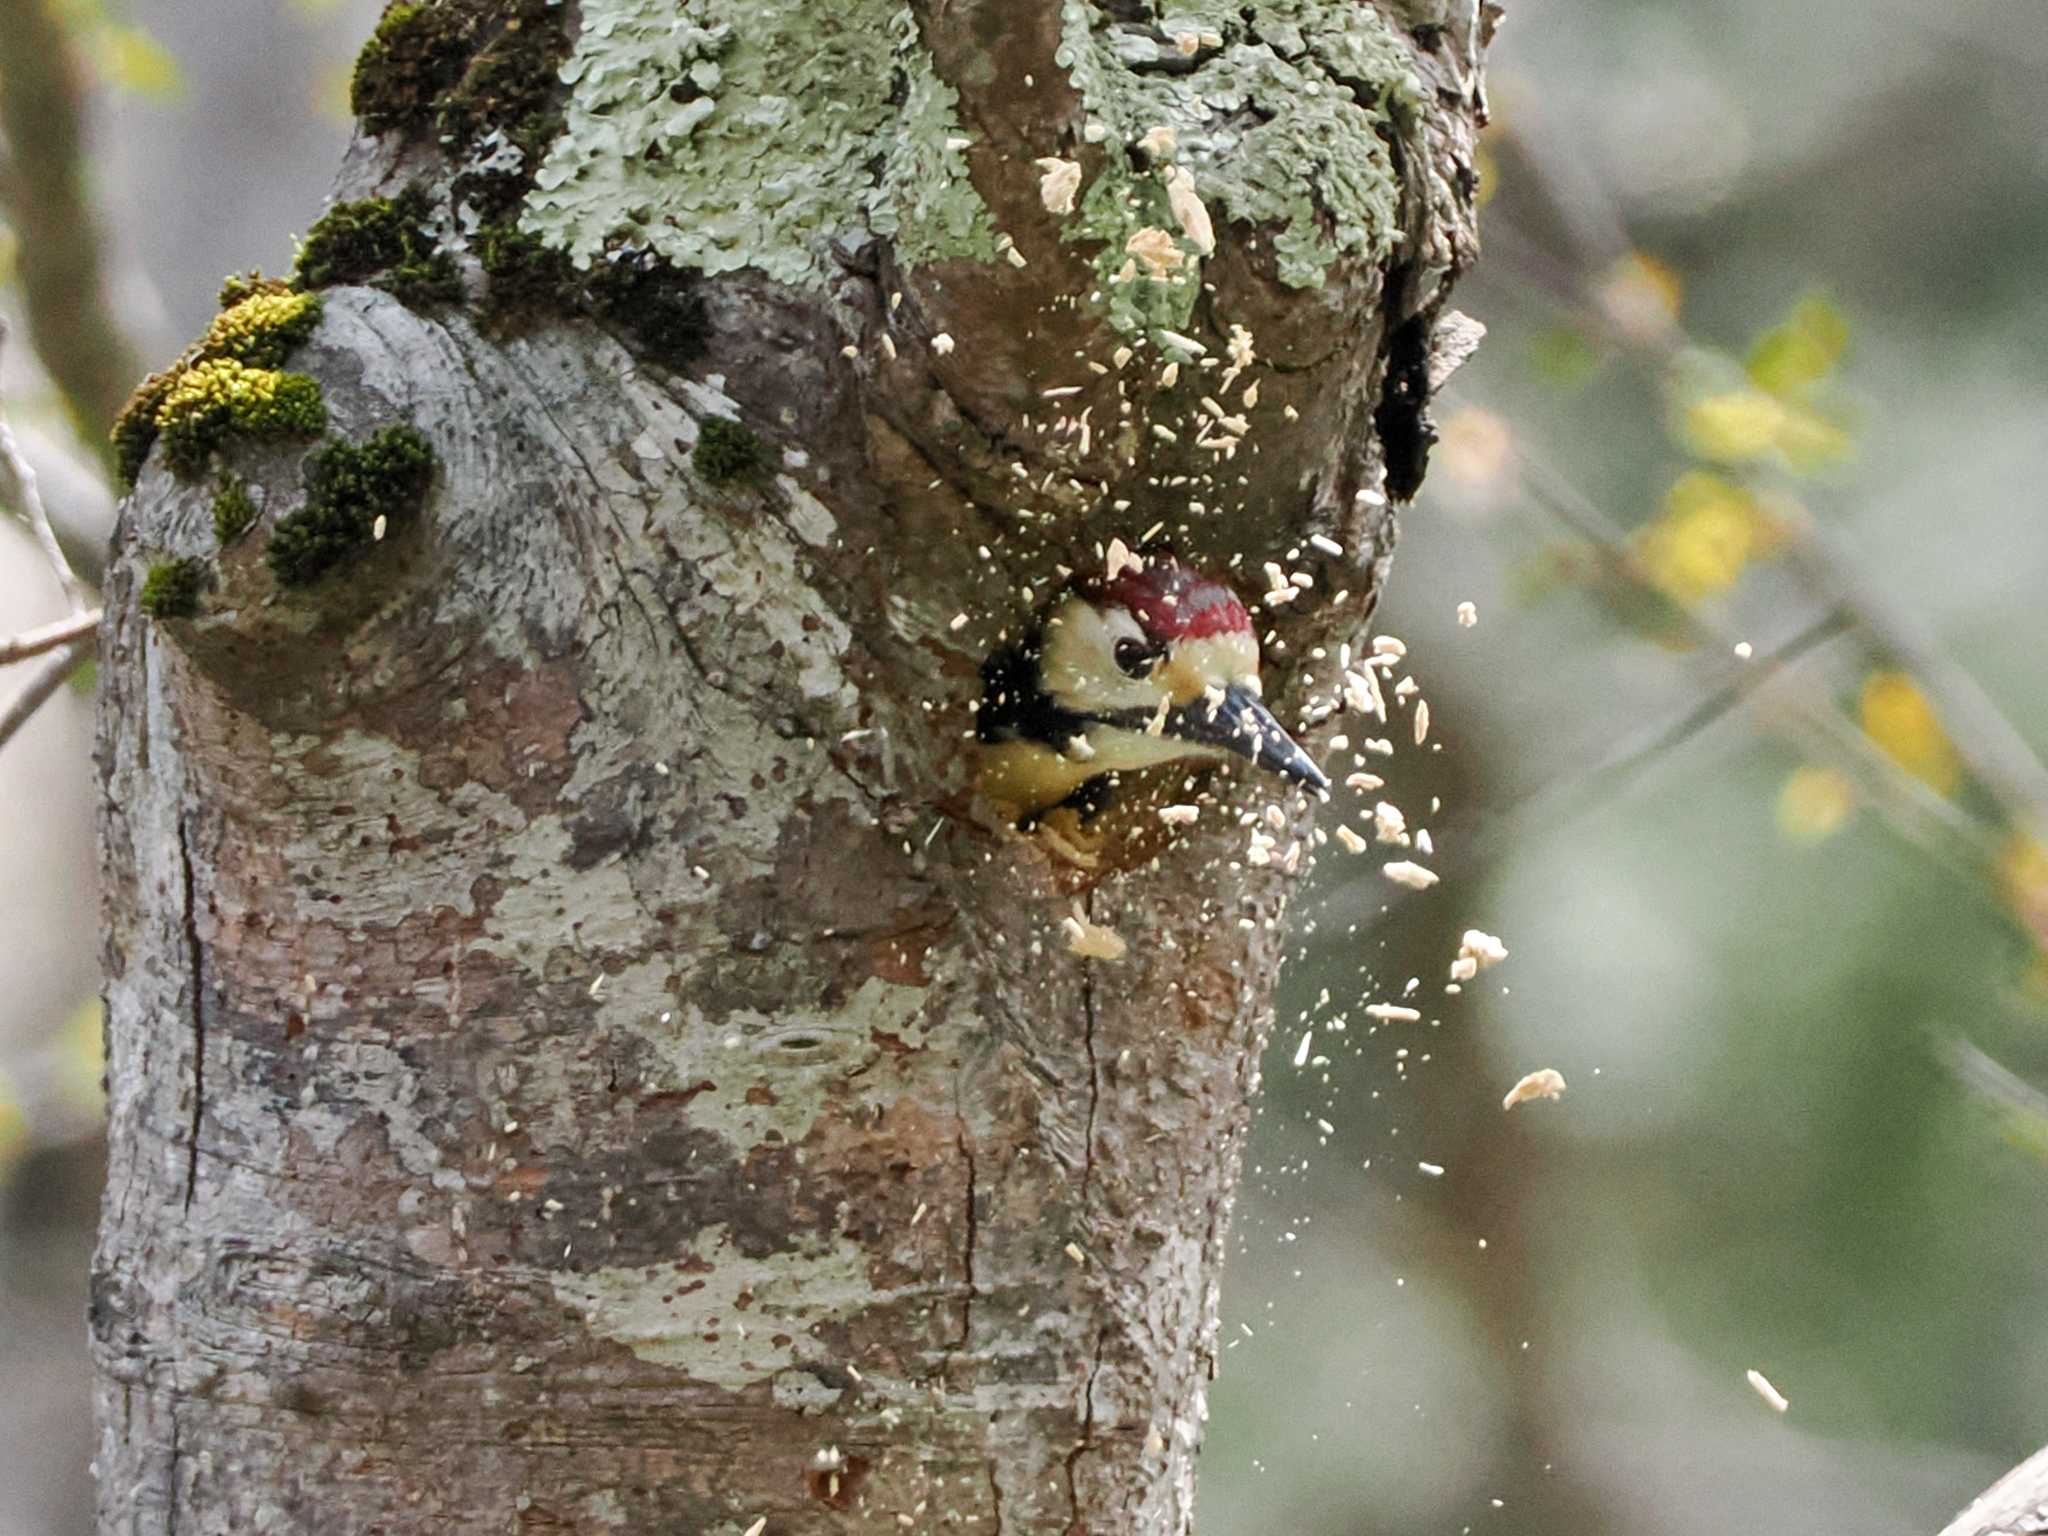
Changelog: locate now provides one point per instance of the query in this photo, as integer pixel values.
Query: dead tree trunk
(579, 1060)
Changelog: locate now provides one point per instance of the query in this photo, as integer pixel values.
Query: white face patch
(1078, 667)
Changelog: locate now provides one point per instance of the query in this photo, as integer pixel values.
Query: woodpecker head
(1153, 664)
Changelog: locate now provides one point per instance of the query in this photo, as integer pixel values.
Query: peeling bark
(580, 1058)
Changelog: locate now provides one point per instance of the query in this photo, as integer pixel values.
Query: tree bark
(2015, 1505)
(580, 1057)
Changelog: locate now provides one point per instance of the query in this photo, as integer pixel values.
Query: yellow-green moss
(262, 328)
(219, 396)
(260, 322)
(349, 487)
(171, 588)
(727, 451)
(383, 241)
(233, 510)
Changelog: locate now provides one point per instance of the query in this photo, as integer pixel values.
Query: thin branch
(63, 279)
(47, 680)
(23, 475)
(1997, 754)
(34, 642)
(1817, 723)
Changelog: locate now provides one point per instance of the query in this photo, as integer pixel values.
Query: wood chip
(1058, 181)
(1092, 941)
(1543, 1083)
(1412, 875)
(1761, 1385)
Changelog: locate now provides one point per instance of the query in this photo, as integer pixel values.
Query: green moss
(237, 286)
(172, 587)
(384, 241)
(655, 304)
(233, 511)
(349, 486)
(461, 70)
(727, 451)
(134, 431)
(524, 274)
(218, 397)
(415, 54)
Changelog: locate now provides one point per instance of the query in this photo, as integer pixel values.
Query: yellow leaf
(13, 1130)
(1708, 531)
(1815, 803)
(1735, 427)
(81, 1057)
(129, 59)
(2023, 875)
(1790, 358)
(1896, 716)
(1809, 441)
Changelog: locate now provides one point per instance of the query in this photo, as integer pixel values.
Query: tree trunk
(581, 1058)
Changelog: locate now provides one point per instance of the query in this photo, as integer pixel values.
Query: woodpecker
(1152, 664)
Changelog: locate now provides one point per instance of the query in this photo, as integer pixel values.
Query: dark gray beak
(1240, 723)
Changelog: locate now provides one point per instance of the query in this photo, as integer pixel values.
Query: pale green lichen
(747, 136)
(1278, 114)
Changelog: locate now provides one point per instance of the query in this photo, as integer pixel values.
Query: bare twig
(46, 681)
(15, 468)
(1998, 756)
(34, 642)
(63, 281)
(1816, 722)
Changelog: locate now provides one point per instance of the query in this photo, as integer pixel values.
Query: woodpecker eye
(1136, 658)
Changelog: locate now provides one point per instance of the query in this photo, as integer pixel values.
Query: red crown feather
(1174, 602)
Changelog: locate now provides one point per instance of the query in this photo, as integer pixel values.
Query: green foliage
(384, 241)
(172, 587)
(349, 486)
(233, 511)
(727, 451)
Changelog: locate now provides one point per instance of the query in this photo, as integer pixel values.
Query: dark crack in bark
(967, 1249)
(171, 1477)
(195, 959)
(1094, 1071)
(1076, 1526)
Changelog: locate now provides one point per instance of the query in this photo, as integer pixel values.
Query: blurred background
(1741, 761)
